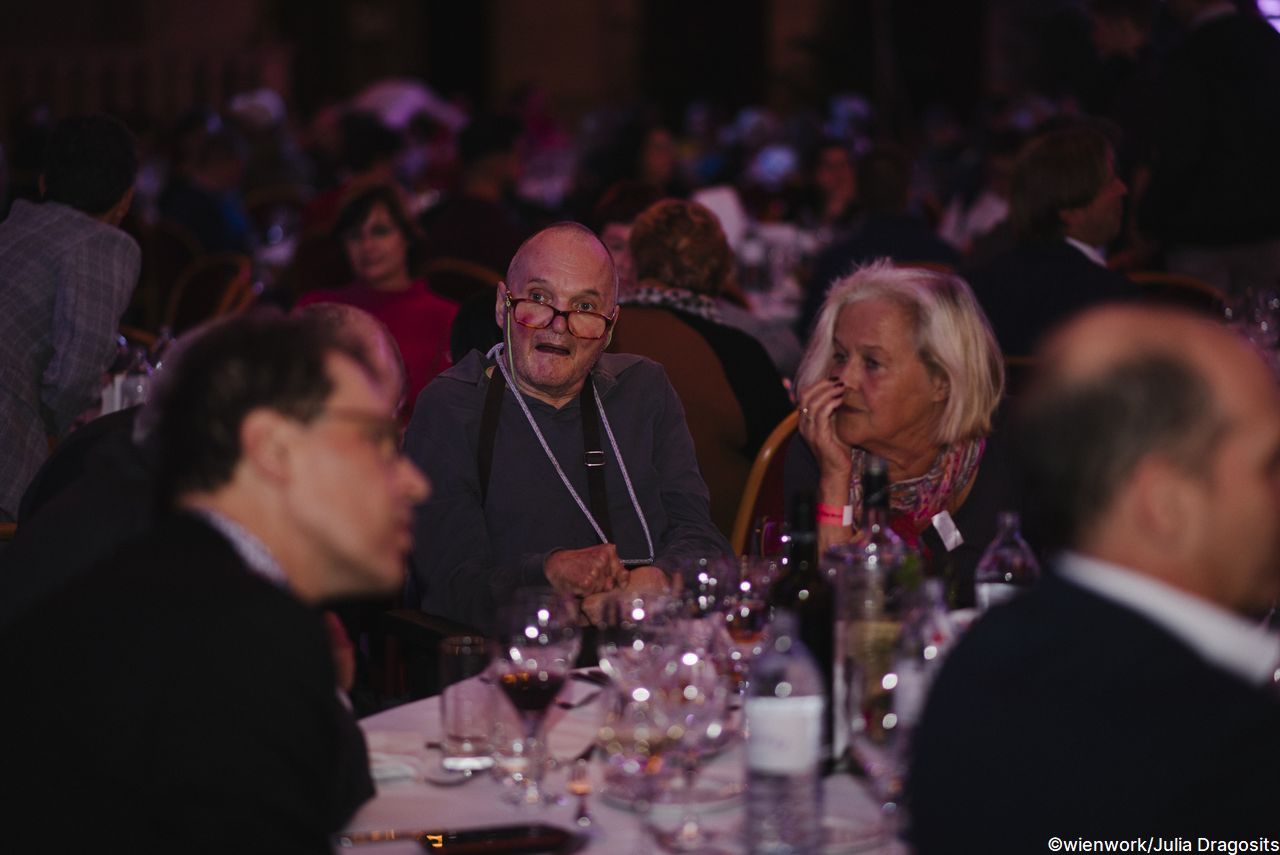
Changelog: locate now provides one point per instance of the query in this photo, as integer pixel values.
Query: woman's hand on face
(817, 424)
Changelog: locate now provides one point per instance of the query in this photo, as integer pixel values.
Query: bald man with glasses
(552, 462)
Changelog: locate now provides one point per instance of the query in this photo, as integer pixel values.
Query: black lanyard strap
(489, 430)
(594, 458)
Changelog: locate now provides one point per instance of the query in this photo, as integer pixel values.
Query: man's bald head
(559, 237)
(1152, 441)
(1116, 385)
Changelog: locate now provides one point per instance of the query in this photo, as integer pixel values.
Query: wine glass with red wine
(537, 645)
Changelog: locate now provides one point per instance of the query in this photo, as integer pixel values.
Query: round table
(406, 802)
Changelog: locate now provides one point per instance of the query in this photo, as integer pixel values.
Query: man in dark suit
(1066, 205)
(1216, 130)
(185, 690)
(1133, 693)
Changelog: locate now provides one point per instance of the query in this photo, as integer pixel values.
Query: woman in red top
(381, 242)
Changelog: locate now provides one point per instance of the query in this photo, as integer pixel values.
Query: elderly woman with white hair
(902, 364)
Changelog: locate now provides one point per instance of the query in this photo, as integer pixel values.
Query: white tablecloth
(405, 802)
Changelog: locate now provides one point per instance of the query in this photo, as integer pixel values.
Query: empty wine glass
(634, 739)
(537, 647)
(745, 607)
(629, 637)
(704, 585)
(694, 698)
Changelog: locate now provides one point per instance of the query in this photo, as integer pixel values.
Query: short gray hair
(952, 335)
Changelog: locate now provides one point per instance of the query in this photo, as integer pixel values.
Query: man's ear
(500, 305)
(1071, 219)
(121, 208)
(266, 443)
(1168, 500)
(617, 316)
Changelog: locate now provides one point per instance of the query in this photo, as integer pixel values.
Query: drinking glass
(746, 614)
(537, 646)
(634, 740)
(466, 703)
(870, 686)
(693, 696)
(629, 637)
(766, 537)
(704, 586)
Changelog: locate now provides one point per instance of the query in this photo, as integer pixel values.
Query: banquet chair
(167, 250)
(135, 336)
(458, 278)
(212, 286)
(1178, 289)
(409, 667)
(763, 494)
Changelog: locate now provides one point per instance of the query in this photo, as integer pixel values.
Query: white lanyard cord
(604, 418)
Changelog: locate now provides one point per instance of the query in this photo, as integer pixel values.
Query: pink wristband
(835, 515)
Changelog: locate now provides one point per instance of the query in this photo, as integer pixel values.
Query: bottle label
(990, 594)
(785, 734)
(910, 692)
(947, 530)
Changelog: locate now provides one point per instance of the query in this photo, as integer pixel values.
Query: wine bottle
(805, 591)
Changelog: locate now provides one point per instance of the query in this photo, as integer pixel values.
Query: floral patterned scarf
(916, 500)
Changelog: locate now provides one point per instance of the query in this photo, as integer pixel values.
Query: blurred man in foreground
(1133, 693)
(187, 684)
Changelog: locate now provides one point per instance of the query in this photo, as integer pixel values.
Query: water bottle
(785, 710)
(1007, 568)
(136, 387)
(160, 350)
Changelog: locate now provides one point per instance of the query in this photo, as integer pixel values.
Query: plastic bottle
(1008, 566)
(785, 710)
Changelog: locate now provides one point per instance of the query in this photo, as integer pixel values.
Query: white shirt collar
(252, 551)
(1093, 253)
(1222, 638)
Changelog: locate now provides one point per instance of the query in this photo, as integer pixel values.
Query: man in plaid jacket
(66, 275)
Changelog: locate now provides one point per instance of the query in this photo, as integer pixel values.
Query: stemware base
(694, 838)
(715, 790)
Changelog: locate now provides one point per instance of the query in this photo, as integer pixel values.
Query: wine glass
(746, 614)
(694, 697)
(537, 647)
(634, 740)
(629, 637)
(704, 585)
